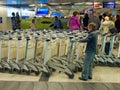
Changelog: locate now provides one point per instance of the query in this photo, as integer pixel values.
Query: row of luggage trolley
(109, 43)
(27, 51)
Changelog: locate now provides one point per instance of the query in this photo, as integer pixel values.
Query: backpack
(112, 29)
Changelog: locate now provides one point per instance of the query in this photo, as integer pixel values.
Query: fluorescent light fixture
(117, 2)
(79, 3)
(66, 3)
(89, 3)
(32, 5)
(53, 3)
(41, 4)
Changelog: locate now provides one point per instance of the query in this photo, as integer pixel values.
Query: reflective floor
(104, 78)
(100, 74)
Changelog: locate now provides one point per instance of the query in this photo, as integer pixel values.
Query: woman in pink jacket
(74, 21)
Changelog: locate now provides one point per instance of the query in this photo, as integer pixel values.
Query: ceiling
(64, 6)
(49, 1)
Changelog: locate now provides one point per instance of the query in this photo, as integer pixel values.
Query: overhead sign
(97, 5)
(42, 1)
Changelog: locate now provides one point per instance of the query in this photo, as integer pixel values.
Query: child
(32, 26)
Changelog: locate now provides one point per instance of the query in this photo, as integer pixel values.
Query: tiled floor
(17, 77)
(100, 74)
(57, 86)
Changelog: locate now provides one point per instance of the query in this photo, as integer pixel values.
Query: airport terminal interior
(59, 44)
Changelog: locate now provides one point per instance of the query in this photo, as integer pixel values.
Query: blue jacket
(91, 42)
(58, 24)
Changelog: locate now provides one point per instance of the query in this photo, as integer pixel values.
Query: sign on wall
(42, 1)
(12, 1)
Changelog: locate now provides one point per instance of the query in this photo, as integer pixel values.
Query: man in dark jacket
(117, 23)
(90, 52)
(85, 21)
(57, 23)
(13, 21)
(95, 19)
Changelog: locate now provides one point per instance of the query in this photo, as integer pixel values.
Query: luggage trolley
(14, 63)
(60, 60)
(28, 67)
(98, 58)
(74, 65)
(41, 66)
(110, 58)
(6, 63)
(117, 58)
(56, 65)
(1, 65)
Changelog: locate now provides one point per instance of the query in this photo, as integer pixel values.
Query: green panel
(25, 23)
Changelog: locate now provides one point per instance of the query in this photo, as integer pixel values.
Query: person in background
(93, 18)
(89, 52)
(117, 23)
(13, 21)
(17, 21)
(100, 17)
(32, 26)
(85, 21)
(104, 28)
(57, 23)
(74, 21)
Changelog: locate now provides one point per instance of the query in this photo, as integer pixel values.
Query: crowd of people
(104, 23)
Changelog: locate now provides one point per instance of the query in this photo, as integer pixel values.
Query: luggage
(112, 29)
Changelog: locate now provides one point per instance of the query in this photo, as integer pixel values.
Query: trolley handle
(27, 38)
(71, 37)
(48, 39)
(37, 38)
(53, 38)
(19, 37)
(10, 38)
(38, 33)
(105, 34)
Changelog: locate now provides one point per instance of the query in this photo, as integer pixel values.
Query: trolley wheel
(19, 71)
(37, 73)
(5, 69)
(53, 70)
(23, 70)
(49, 71)
(28, 72)
(1, 69)
(75, 70)
(10, 70)
(47, 74)
(117, 64)
(71, 76)
(80, 69)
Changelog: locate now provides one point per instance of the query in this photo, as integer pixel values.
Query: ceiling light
(89, 3)
(117, 2)
(53, 3)
(32, 5)
(79, 3)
